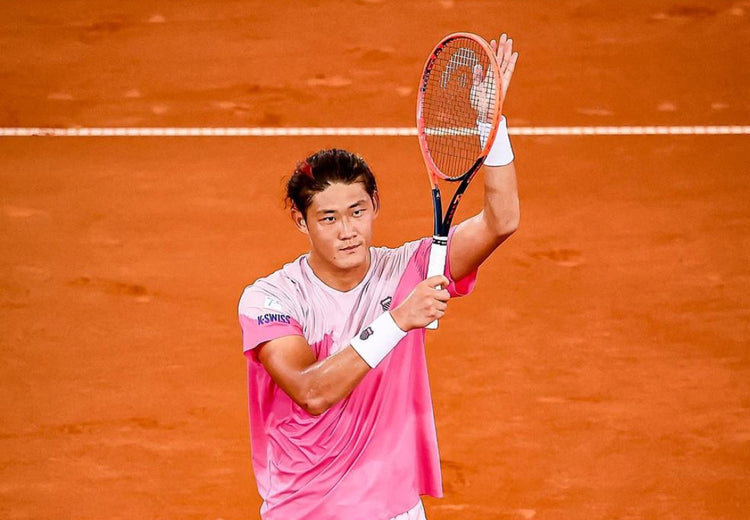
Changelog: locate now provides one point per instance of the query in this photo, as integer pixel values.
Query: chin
(353, 261)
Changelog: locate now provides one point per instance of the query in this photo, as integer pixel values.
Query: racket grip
(436, 265)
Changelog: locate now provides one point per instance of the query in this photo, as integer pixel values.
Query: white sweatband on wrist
(376, 340)
(501, 153)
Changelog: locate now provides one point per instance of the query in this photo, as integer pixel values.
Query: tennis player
(341, 415)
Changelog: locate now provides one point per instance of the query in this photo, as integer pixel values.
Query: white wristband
(501, 153)
(377, 339)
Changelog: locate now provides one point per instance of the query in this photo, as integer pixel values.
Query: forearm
(316, 385)
(501, 212)
(477, 237)
(326, 382)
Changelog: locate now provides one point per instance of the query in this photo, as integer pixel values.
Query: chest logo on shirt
(366, 333)
(274, 318)
(386, 303)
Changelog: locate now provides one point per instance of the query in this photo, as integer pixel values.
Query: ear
(375, 204)
(299, 220)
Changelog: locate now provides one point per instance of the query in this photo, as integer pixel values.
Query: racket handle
(436, 266)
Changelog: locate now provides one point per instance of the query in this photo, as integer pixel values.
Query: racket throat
(437, 208)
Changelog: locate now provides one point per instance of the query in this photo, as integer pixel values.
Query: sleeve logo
(274, 318)
(273, 304)
(366, 333)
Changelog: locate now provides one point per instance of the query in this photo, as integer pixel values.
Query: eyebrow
(326, 211)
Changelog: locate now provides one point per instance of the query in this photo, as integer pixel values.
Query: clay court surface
(601, 369)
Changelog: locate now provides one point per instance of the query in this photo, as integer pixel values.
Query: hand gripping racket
(459, 107)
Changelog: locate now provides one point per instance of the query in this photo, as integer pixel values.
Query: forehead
(339, 196)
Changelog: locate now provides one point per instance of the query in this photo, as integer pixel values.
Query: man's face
(339, 224)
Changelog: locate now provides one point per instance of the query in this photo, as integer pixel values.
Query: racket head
(449, 103)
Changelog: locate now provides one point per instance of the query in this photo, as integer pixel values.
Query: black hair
(322, 169)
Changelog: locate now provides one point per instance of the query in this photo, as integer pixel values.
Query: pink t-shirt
(372, 454)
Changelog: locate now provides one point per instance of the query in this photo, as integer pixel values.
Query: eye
(328, 220)
(359, 212)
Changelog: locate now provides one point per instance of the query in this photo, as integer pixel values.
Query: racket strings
(453, 103)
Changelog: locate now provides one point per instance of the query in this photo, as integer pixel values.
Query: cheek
(324, 237)
(365, 227)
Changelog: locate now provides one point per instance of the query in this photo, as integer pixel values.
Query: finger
(508, 72)
(435, 313)
(507, 52)
(513, 60)
(442, 295)
(500, 47)
(439, 279)
(493, 44)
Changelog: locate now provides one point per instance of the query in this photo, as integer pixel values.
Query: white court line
(362, 131)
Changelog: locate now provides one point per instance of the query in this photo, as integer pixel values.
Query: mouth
(349, 249)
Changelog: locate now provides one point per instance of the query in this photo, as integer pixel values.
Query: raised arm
(316, 385)
(476, 238)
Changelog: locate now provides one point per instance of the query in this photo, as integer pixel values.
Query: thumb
(477, 74)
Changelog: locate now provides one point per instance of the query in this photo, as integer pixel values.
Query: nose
(346, 229)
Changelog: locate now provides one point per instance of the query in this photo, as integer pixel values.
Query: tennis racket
(460, 88)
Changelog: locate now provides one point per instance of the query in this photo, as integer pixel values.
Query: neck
(340, 279)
